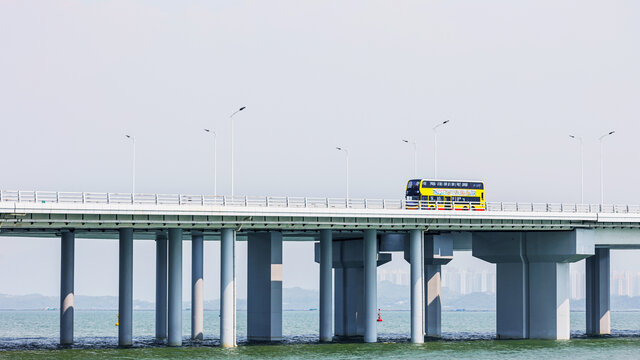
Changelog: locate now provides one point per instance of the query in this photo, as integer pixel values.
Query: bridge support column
(197, 287)
(348, 262)
(67, 249)
(125, 293)
(533, 282)
(370, 286)
(437, 251)
(227, 289)
(349, 302)
(512, 300)
(326, 286)
(417, 282)
(161, 286)
(433, 302)
(549, 291)
(597, 294)
(175, 288)
(264, 292)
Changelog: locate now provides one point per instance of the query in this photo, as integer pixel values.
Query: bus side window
(482, 196)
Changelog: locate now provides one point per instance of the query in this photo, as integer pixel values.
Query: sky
(514, 79)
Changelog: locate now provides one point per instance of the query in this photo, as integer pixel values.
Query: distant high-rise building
(484, 282)
(577, 285)
(618, 284)
(463, 282)
(628, 283)
(395, 276)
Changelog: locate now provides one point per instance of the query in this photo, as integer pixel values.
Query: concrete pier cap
(447, 242)
(536, 246)
(438, 249)
(348, 253)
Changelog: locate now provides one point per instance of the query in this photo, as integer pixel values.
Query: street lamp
(346, 151)
(435, 148)
(133, 181)
(215, 163)
(579, 138)
(602, 165)
(415, 156)
(231, 118)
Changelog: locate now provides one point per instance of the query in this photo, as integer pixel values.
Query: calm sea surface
(467, 335)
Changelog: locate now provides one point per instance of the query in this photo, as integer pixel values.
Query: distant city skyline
(459, 282)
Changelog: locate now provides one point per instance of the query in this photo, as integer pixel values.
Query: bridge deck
(101, 214)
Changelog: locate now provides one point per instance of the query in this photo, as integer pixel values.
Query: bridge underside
(436, 222)
(611, 238)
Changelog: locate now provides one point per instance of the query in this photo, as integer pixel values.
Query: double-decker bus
(445, 195)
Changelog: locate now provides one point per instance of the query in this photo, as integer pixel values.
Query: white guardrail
(299, 202)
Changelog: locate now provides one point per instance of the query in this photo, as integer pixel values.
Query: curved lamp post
(602, 164)
(232, 149)
(346, 151)
(133, 180)
(215, 162)
(435, 148)
(415, 156)
(579, 138)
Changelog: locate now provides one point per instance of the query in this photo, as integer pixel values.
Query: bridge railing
(301, 202)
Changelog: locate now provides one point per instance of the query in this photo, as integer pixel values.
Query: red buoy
(379, 316)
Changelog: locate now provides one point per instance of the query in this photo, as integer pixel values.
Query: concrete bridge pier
(197, 286)
(416, 259)
(533, 282)
(437, 250)
(370, 285)
(597, 294)
(227, 288)
(348, 258)
(349, 302)
(161, 286)
(175, 288)
(264, 286)
(125, 287)
(67, 250)
(326, 285)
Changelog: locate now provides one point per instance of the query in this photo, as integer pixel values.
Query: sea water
(34, 334)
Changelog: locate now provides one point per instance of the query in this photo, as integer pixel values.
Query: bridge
(531, 244)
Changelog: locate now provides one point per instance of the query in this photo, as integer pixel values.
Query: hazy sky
(514, 77)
